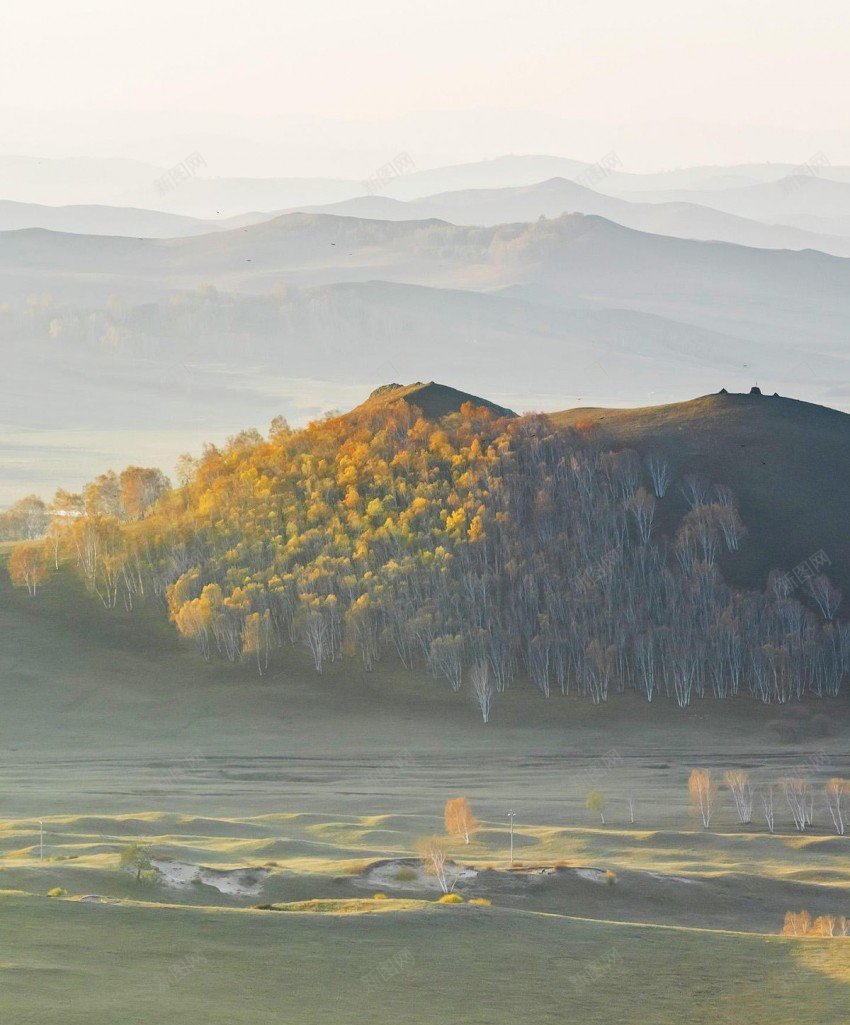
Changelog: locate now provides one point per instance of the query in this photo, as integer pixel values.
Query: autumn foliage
(477, 547)
(459, 818)
(801, 923)
(28, 565)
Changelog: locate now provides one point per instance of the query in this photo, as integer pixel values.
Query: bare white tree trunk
(482, 688)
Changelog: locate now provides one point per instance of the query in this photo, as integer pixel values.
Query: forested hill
(484, 546)
(788, 463)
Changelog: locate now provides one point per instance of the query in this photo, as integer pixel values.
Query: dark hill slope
(435, 400)
(787, 461)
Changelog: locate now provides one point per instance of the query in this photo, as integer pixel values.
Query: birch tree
(738, 781)
(767, 795)
(432, 850)
(482, 688)
(836, 797)
(797, 793)
(703, 793)
(660, 473)
(28, 566)
(596, 802)
(459, 818)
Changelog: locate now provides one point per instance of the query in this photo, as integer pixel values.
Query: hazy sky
(167, 68)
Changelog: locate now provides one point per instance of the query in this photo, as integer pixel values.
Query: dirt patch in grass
(237, 882)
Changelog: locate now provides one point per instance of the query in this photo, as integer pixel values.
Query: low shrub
(379, 896)
(450, 898)
(406, 875)
(480, 902)
(57, 891)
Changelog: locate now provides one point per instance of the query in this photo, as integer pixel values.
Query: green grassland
(85, 964)
(113, 732)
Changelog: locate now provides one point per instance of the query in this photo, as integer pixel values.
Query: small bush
(480, 902)
(406, 875)
(379, 896)
(450, 898)
(148, 875)
(57, 891)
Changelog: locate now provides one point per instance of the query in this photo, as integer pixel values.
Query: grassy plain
(112, 732)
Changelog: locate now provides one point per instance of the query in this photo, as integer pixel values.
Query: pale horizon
(330, 90)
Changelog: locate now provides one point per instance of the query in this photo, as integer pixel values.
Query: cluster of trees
(480, 548)
(117, 331)
(27, 519)
(93, 528)
(801, 923)
(800, 796)
(434, 850)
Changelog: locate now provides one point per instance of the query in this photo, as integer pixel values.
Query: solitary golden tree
(459, 818)
(703, 791)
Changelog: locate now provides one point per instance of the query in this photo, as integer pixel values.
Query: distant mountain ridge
(558, 196)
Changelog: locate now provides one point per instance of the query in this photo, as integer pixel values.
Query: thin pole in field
(511, 815)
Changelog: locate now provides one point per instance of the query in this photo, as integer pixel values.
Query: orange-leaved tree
(28, 565)
(459, 818)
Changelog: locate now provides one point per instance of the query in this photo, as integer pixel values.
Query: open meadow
(273, 810)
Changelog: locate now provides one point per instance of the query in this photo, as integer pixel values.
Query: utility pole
(41, 839)
(511, 815)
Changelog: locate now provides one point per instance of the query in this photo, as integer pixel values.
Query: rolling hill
(787, 461)
(297, 314)
(559, 196)
(117, 383)
(108, 220)
(434, 400)
(573, 260)
(812, 202)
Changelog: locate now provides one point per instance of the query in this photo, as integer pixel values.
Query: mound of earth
(434, 400)
(410, 874)
(237, 882)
